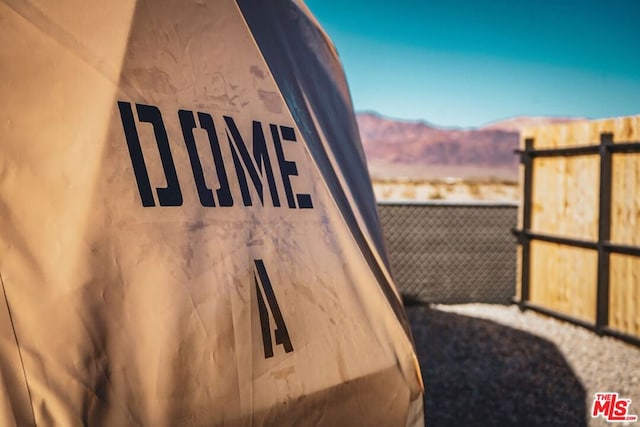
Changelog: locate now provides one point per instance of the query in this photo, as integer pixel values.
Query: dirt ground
(447, 189)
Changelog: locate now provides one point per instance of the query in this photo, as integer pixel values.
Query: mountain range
(420, 150)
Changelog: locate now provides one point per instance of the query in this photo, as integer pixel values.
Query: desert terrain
(448, 189)
(419, 161)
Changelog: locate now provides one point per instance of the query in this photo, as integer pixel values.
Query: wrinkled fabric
(179, 245)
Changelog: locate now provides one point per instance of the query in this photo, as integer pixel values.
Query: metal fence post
(527, 162)
(604, 232)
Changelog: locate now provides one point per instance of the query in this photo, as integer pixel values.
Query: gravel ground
(494, 365)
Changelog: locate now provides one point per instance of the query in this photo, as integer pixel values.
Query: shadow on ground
(479, 373)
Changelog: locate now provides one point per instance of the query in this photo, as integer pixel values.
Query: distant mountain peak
(375, 116)
(516, 124)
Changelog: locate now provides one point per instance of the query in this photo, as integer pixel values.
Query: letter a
(281, 333)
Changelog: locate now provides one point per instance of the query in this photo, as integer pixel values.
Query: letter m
(257, 167)
(601, 407)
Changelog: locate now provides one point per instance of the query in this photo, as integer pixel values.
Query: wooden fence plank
(625, 199)
(571, 277)
(624, 312)
(565, 196)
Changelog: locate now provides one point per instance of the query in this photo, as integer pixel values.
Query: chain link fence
(452, 253)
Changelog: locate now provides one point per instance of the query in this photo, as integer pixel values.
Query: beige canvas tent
(188, 234)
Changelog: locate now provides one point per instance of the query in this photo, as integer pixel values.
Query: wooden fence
(579, 224)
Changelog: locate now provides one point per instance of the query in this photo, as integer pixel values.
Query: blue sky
(466, 63)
